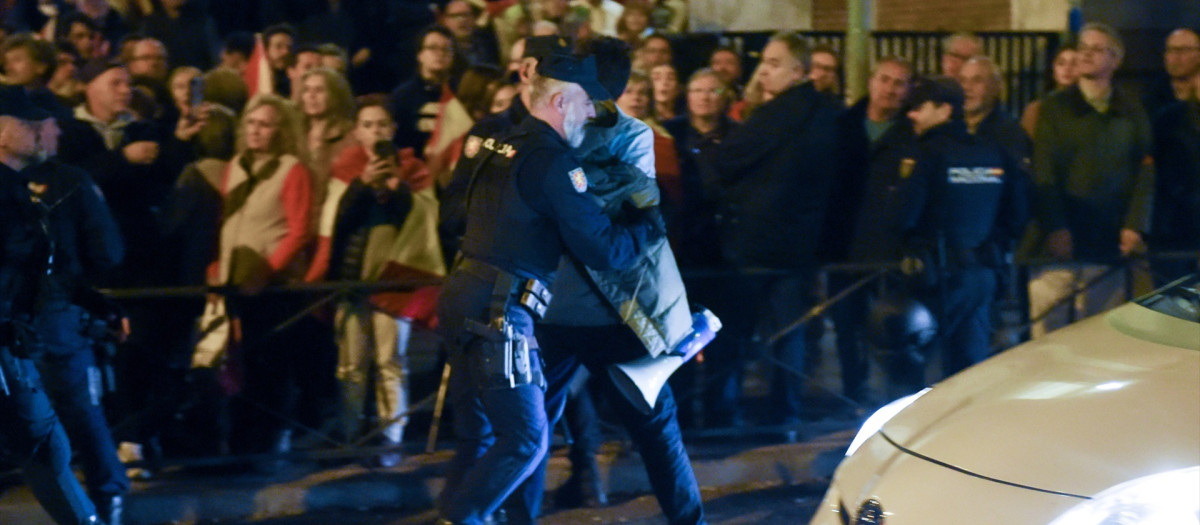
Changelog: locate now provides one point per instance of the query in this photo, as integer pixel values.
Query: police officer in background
(961, 200)
(30, 431)
(73, 320)
(526, 207)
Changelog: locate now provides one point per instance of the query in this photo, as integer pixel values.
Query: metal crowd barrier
(331, 291)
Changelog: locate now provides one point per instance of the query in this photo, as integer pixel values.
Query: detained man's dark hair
(612, 62)
(613, 69)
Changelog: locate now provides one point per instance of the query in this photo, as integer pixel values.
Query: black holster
(504, 358)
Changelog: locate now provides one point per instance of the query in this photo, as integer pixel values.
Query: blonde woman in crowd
(328, 108)
(266, 227)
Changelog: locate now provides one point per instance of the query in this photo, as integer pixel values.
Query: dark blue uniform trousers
(32, 433)
(964, 334)
(502, 433)
(68, 369)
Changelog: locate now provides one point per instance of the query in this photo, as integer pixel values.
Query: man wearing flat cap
(962, 204)
(526, 207)
(31, 430)
(131, 159)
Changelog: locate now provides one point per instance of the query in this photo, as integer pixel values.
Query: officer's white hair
(544, 88)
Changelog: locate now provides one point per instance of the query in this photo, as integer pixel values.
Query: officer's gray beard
(573, 123)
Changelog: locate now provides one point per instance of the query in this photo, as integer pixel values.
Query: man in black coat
(873, 139)
(1177, 186)
(775, 184)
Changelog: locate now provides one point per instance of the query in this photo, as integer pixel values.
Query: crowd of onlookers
(251, 144)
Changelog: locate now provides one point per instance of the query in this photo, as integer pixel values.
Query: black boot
(110, 509)
(582, 489)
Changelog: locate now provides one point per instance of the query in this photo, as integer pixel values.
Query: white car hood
(1076, 411)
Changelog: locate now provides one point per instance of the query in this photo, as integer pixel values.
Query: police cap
(540, 47)
(582, 71)
(937, 89)
(15, 103)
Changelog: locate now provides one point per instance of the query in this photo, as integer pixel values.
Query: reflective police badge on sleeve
(578, 180)
(471, 148)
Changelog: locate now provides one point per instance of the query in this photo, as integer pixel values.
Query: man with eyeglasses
(146, 61)
(1094, 185)
(956, 49)
(1177, 158)
(415, 103)
(1181, 62)
(824, 73)
(472, 44)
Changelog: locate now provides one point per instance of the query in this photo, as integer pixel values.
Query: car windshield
(1179, 299)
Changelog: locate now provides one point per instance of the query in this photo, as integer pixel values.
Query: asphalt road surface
(738, 505)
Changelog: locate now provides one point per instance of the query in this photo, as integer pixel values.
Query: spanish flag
(258, 70)
(445, 144)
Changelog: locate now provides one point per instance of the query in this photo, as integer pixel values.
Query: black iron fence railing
(1024, 58)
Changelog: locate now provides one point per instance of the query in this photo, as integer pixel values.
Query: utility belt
(509, 288)
(924, 265)
(505, 359)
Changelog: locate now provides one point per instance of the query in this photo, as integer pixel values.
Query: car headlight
(1158, 499)
(881, 416)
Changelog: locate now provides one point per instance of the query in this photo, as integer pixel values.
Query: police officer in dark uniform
(526, 207)
(962, 199)
(30, 431)
(452, 209)
(72, 318)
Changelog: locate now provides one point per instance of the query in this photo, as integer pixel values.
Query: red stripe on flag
(258, 71)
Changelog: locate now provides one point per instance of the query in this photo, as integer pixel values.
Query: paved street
(748, 475)
(746, 480)
(766, 504)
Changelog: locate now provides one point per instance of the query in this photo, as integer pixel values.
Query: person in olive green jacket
(1094, 184)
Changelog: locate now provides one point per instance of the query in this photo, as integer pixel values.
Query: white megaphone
(642, 379)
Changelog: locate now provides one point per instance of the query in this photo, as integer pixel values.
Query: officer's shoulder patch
(471, 147)
(578, 180)
(906, 167)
